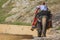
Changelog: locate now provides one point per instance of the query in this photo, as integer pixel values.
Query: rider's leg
(34, 23)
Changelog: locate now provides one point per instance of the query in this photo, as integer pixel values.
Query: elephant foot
(43, 35)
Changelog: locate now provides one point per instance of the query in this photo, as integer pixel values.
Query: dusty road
(15, 37)
(18, 32)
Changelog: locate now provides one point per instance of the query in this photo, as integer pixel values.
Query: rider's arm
(37, 10)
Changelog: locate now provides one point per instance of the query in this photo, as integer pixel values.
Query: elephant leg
(39, 29)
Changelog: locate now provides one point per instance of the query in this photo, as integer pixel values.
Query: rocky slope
(23, 10)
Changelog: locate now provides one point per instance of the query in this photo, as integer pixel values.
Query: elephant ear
(38, 15)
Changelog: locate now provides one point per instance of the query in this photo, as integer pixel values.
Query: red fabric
(36, 11)
(34, 22)
(35, 19)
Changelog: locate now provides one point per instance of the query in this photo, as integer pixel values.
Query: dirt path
(18, 32)
(15, 37)
(17, 29)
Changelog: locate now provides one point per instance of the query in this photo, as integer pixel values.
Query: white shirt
(42, 7)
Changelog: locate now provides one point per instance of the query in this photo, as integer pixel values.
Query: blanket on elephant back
(49, 15)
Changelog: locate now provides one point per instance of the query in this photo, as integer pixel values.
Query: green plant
(58, 28)
(2, 2)
(4, 11)
(31, 0)
(21, 23)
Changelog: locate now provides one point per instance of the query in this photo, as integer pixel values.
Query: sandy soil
(16, 32)
(15, 37)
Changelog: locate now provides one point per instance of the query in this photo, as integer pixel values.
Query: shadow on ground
(14, 37)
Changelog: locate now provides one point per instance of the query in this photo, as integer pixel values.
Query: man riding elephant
(40, 9)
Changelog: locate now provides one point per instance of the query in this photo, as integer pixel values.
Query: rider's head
(43, 3)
